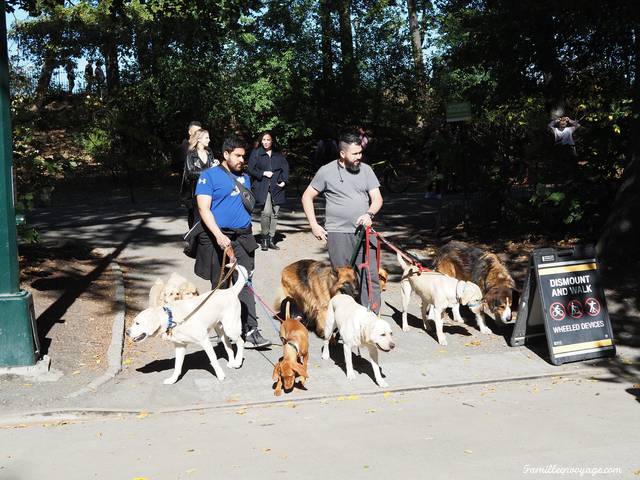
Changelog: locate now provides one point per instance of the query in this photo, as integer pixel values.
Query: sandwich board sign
(458, 112)
(563, 299)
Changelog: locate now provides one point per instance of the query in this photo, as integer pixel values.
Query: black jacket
(260, 162)
(193, 166)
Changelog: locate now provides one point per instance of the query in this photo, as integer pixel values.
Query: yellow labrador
(358, 327)
(190, 320)
(440, 291)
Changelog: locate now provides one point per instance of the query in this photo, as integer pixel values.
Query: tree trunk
(327, 54)
(544, 30)
(110, 48)
(349, 68)
(618, 243)
(48, 66)
(416, 41)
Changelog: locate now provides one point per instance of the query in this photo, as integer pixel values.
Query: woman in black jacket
(269, 172)
(199, 157)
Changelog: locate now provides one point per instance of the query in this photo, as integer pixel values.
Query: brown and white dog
(311, 285)
(295, 355)
(466, 262)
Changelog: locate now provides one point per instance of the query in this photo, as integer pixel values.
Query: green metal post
(17, 341)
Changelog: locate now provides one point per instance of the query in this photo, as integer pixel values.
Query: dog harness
(170, 322)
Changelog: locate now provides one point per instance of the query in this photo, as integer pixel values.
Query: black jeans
(244, 246)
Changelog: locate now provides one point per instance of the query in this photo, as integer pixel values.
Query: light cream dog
(440, 291)
(358, 327)
(189, 321)
(176, 288)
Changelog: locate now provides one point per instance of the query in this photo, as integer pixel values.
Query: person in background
(181, 152)
(562, 129)
(99, 78)
(70, 68)
(269, 171)
(364, 140)
(88, 76)
(199, 158)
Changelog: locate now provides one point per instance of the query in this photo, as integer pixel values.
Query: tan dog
(358, 327)
(383, 276)
(466, 262)
(311, 284)
(440, 291)
(295, 355)
(176, 288)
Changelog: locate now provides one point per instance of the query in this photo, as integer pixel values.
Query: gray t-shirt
(347, 194)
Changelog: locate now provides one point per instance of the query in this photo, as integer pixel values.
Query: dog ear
(276, 372)
(300, 370)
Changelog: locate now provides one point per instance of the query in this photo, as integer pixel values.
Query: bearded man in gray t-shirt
(353, 198)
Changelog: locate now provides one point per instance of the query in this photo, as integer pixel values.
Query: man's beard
(352, 167)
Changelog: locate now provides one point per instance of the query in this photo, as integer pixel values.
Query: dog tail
(401, 261)
(243, 278)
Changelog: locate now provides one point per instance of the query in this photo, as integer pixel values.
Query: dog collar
(170, 322)
(295, 347)
(474, 304)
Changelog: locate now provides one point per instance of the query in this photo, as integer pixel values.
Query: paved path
(145, 240)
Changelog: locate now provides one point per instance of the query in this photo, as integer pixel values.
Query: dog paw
(351, 376)
(221, 376)
(170, 380)
(486, 330)
(442, 342)
(405, 328)
(325, 354)
(382, 383)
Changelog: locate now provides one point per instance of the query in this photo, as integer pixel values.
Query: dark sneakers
(264, 244)
(253, 339)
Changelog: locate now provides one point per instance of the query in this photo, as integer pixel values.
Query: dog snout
(392, 345)
(128, 331)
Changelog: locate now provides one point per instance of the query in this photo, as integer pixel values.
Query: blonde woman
(199, 157)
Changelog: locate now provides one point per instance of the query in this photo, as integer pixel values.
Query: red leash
(412, 260)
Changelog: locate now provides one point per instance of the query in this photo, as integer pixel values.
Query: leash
(172, 324)
(364, 235)
(407, 256)
(267, 309)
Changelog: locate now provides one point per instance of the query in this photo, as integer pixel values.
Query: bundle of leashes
(364, 235)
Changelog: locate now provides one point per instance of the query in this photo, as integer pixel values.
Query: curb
(79, 414)
(114, 353)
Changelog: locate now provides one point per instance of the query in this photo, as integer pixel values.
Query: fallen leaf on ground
(371, 410)
(353, 397)
(75, 372)
(143, 414)
(266, 450)
(387, 394)
(128, 361)
(468, 451)
(475, 343)
(240, 412)
(191, 470)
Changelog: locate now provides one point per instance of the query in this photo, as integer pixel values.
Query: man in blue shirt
(227, 222)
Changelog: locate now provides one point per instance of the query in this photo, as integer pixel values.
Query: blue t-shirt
(226, 202)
